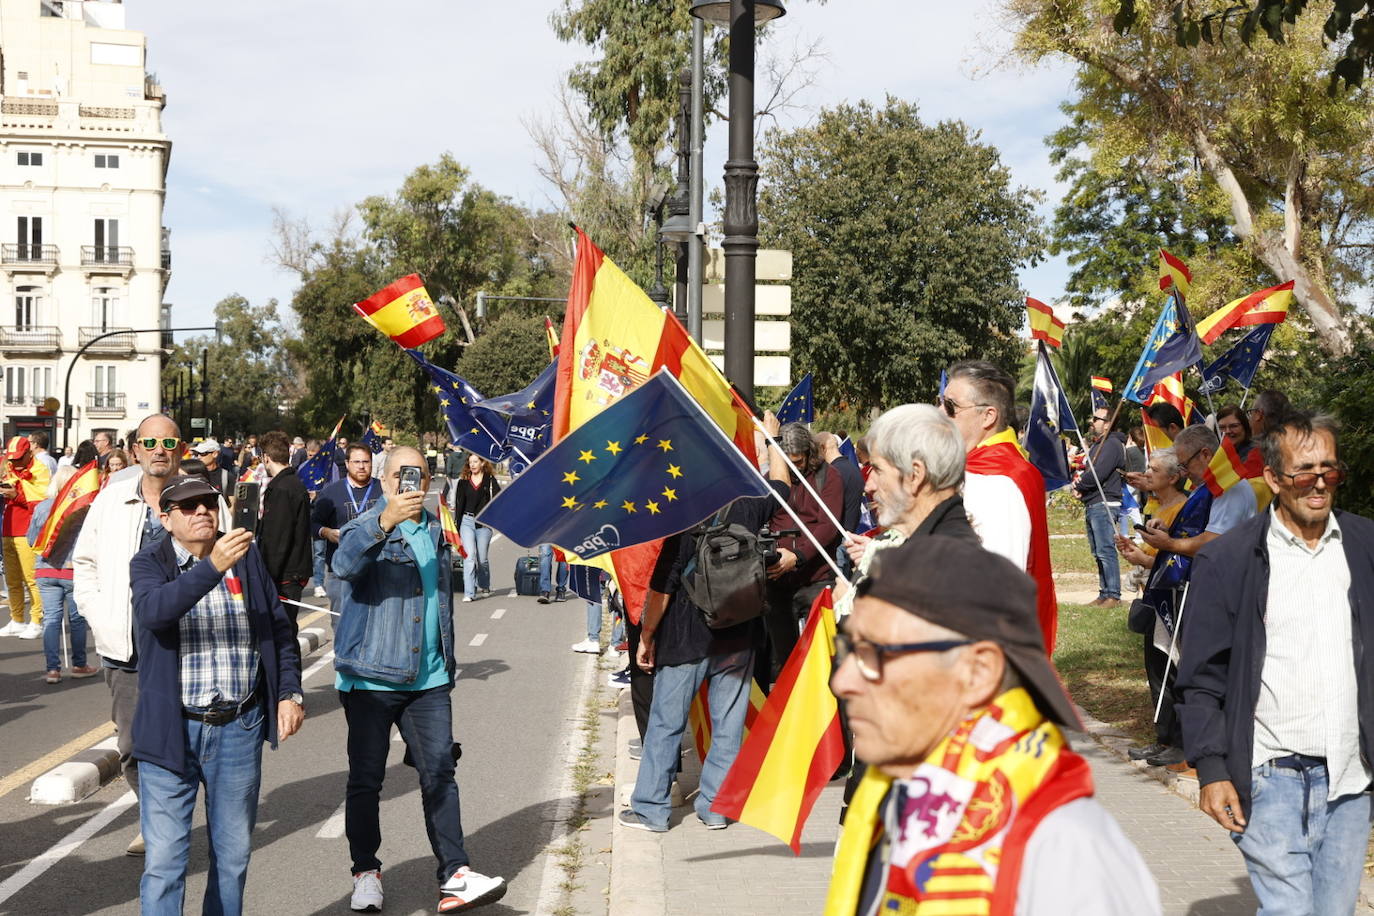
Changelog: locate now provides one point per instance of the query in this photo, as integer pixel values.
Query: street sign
(198, 422)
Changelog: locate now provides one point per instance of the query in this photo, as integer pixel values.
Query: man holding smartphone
(394, 663)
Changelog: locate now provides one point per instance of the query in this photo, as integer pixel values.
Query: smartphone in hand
(246, 496)
(410, 479)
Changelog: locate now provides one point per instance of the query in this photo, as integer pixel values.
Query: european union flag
(1240, 362)
(847, 449)
(650, 465)
(372, 439)
(1172, 347)
(480, 431)
(1099, 400)
(1050, 416)
(531, 418)
(798, 406)
(319, 469)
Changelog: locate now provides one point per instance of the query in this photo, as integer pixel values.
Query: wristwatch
(296, 698)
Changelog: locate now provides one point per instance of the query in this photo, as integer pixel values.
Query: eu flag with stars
(531, 418)
(319, 469)
(647, 467)
(1172, 347)
(480, 431)
(798, 406)
(1240, 362)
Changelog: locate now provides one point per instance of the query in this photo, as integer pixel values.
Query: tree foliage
(906, 240)
(510, 353)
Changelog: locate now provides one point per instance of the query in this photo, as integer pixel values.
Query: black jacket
(1107, 457)
(469, 500)
(853, 480)
(948, 519)
(284, 531)
(1223, 641)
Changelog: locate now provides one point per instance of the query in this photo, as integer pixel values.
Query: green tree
(906, 240)
(1288, 163)
(511, 352)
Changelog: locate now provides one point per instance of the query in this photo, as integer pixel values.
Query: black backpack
(725, 576)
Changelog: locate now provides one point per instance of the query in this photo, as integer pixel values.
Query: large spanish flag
(614, 338)
(1173, 273)
(1043, 325)
(76, 494)
(404, 312)
(1265, 306)
(795, 744)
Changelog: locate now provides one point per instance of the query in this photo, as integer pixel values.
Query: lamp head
(718, 11)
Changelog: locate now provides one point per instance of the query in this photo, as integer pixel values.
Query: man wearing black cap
(972, 793)
(219, 673)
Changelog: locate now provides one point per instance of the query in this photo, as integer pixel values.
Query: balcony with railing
(105, 404)
(118, 257)
(26, 256)
(30, 339)
(122, 342)
(24, 400)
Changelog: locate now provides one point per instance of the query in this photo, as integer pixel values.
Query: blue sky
(311, 106)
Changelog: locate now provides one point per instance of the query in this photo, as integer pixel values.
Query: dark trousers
(425, 718)
(641, 681)
(291, 591)
(787, 607)
(1167, 729)
(123, 686)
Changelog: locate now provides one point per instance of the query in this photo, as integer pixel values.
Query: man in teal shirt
(394, 664)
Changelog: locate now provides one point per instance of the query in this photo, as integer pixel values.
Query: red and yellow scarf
(956, 829)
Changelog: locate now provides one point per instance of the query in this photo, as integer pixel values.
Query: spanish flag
(404, 312)
(1266, 306)
(699, 715)
(1154, 436)
(1043, 325)
(552, 338)
(1173, 273)
(450, 527)
(795, 744)
(76, 494)
(1170, 390)
(1102, 383)
(1225, 470)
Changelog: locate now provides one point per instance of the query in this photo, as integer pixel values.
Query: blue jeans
(317, 559)
(425, 718)
(674, 688)
(1303, 864)
(477, 545)
(593, 621)
(1101, 524)
(546, 573)
(227, 759)
(57, 599)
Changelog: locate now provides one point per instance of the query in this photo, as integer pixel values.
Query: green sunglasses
(170, 443)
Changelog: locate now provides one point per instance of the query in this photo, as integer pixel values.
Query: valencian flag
(552, 338)
(319, 469)
(530, 412)
(1050, 418)
(450, 528)
(798, 406)
(1240, 362)
(373, 436)
(1225, 470)
(1101, 390)
(1043, 325)
(404, 312)
(795, 744)
(1267, 306)
(480, 431)
(1172, 347)
(75, 496)
(647, 467)
(1174, 274)
(699, 715)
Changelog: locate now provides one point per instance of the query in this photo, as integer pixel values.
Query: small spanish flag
(76, 494)
(1173, 273)
(1225, 470)
(552, 338)
(1154, 436)
(235, 586)
(1170, 390)
(699, 715)
(1266, 306)
(1102, 384)
(1044, 326)
(404, 312)
(450, 527)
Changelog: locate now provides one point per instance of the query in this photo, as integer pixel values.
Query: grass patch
(571, 854)
(1103, 667)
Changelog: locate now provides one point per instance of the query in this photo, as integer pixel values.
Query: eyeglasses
(1099, 419)
(1184, 462)
(192, 506)
(952, 408)
(869, 656)
(1306, 480)
(170, 443)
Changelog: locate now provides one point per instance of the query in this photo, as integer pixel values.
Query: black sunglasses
(869, 656)
(951, 407)
(189, 506)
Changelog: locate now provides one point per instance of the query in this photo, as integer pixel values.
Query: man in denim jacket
(393, 654)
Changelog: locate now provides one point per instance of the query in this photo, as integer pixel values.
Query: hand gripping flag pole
(810, 489)
(820, 549)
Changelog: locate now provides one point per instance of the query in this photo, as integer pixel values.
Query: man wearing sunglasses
(1275, 678)
(972, 793)
(124, 518)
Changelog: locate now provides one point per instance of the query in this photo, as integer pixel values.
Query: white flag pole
(804, 482)
(1173, 645)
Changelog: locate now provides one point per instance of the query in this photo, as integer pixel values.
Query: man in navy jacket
(219, 674)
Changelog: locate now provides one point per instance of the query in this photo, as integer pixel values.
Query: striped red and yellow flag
(1265, 306)
(699, 715)
(1170, 390)
(1174, 274)
(1102, 383)
(552, 338)
(1225, 470)
(1043, 325)
(450, 528)
(404, 312)
(1155, 437)
(795, 744)
(76, 494)
(235, 586)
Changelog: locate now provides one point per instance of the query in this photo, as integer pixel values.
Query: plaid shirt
(218, 657)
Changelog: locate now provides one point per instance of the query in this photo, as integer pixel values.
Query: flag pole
(1173, 645)
(804, 482)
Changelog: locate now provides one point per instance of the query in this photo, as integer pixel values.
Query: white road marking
(323, 660)
(478, 639)
(333, 828)
(498, 613)
(64, 847)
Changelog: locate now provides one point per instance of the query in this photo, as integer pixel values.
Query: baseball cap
(205, 447)
(958, 585)
(17, 448)
(185, 487)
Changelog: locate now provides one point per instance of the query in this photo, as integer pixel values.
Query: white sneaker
(13, 628)
(467, 598)
(589, 646)
(367, 892)
(467, 889)
(32, 631)
(320, 592)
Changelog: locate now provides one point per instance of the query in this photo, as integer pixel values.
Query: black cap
(183, 488)
(960, 586)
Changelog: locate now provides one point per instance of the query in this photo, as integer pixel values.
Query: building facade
(83, 252)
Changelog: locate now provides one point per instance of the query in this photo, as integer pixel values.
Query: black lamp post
(658, 293)
(678, 227)
(741, 221)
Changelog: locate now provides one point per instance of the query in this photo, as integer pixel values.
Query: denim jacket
(382, 606)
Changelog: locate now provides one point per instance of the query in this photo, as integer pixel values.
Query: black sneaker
(1149, 750)
(543, 598)
(561, 595)
(1167, 757)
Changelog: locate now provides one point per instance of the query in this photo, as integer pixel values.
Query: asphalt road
(515, 713)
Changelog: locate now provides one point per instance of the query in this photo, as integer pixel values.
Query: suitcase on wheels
(527, 576)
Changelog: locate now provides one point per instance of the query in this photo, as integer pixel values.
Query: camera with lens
(768, 543)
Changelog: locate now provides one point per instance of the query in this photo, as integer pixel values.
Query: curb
(310, 639)
(637, 884)
(79, 777)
